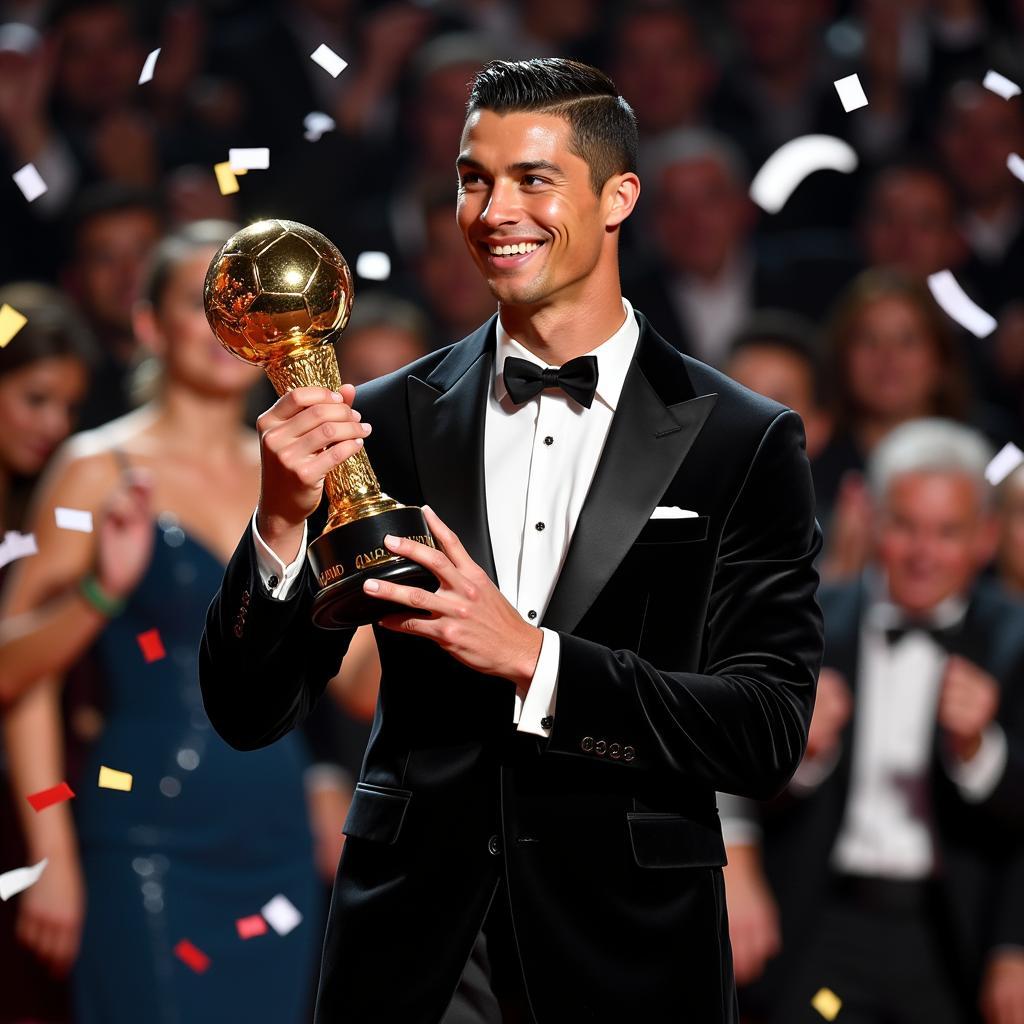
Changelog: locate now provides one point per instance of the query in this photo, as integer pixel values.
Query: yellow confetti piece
(227, 179)
(11, 321)
(110, 778)
(827, 1003)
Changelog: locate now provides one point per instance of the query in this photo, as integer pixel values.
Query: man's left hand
(967, 705)
(468, 616)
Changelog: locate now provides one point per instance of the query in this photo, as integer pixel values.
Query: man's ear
(622, 192)
(147, 329)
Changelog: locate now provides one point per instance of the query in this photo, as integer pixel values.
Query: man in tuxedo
(892, 862)
(625, 620)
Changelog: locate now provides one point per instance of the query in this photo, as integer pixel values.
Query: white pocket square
(673, 512)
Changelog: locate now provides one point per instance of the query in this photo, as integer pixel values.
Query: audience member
(209, 833)
(905, 814)
(111, 236)
(1009, 560)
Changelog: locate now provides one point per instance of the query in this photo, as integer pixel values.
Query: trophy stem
(353, 491)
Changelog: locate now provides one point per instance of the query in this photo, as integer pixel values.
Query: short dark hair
(603, 125)
(111, 197)
(789, 332)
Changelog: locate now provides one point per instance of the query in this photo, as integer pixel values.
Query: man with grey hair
(889, 871)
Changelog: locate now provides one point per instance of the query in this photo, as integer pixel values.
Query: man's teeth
(514, 250)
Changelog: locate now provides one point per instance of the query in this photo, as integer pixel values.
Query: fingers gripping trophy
(276, 294)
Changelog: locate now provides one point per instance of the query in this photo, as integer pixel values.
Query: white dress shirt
(539, 461)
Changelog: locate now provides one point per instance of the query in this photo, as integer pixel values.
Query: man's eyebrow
(522, 165)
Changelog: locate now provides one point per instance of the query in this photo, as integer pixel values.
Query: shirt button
(549, 439)
(493, 846)
(538, 527)
(273, 582)
(531, 614)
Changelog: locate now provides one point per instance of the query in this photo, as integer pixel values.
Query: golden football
(275, 288)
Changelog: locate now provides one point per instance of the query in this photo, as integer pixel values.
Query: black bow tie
(577, 378)
(942, 635)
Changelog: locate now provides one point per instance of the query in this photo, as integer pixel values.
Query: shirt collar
(883, 613)
(613, 358)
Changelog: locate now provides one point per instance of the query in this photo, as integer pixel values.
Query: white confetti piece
(149, 67)
(373, 266)
(1001, 85)
(851, 93)
(257, 159)
(30, 181)
(316, 123)
(1008, 459)
(281, 915)
(74, 519)
(958, 305)
(328, 60)
(18, 880)
(780, 174)
(1016, 165)
(17, 545)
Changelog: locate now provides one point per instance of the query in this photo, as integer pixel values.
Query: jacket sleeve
(262, 662)
(741, 725)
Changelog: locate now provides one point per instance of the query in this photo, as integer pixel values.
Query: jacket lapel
(655, 424)
(447, 412)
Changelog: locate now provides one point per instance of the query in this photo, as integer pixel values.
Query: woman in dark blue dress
(207, 835)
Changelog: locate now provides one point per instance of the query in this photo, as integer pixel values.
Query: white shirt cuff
(812, 772)
(271, 567)
(978, 777)
(539, 702)
(740, 826)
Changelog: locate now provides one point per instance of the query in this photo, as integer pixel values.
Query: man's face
(111, 254)
(933, 537)
(911, 225)
(520, 183)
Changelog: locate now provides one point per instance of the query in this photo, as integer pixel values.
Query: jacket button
(238, 630)
(600, 748)
(628, 754)
(615, 751)
(245, 597)
(493, 846)
(547, 721)
(587, 744)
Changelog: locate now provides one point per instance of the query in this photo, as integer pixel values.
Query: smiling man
(625, 619)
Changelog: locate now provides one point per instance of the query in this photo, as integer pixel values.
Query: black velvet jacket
(695, 643)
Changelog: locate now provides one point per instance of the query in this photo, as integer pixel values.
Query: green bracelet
(89, 587)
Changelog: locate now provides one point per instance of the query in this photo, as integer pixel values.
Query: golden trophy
(276, 294)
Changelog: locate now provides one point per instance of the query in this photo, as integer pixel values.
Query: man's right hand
(303, 436)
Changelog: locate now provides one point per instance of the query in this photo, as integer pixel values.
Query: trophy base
(344, 558)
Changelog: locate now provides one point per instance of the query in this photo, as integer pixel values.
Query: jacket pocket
(672, 841)
(674, 531)
(376, 812)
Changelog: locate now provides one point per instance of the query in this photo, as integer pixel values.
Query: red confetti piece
(151, 644)
(192, 955)
(250, 927)
(54, 795)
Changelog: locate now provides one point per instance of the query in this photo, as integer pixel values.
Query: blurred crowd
(116, 399)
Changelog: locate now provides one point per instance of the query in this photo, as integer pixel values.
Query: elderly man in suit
(624, 622)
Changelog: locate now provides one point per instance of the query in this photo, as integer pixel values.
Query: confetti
(1001, 85)
(30, 181)
(151, 644)
(11, 321)
(374, 266)
(111, 778)
(827, 1003)
(18, 880)
(281, 915)
(792, 162)
(316, 123)
(1005, 462)
(250, 927)
(1016, 165)
(257, 159)
(328, 60)
(148, 67)
(47, 797)
(192, 955)
(958, 305)
(17, 545)
(227, 179)
(74, 519)
(851, 93)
